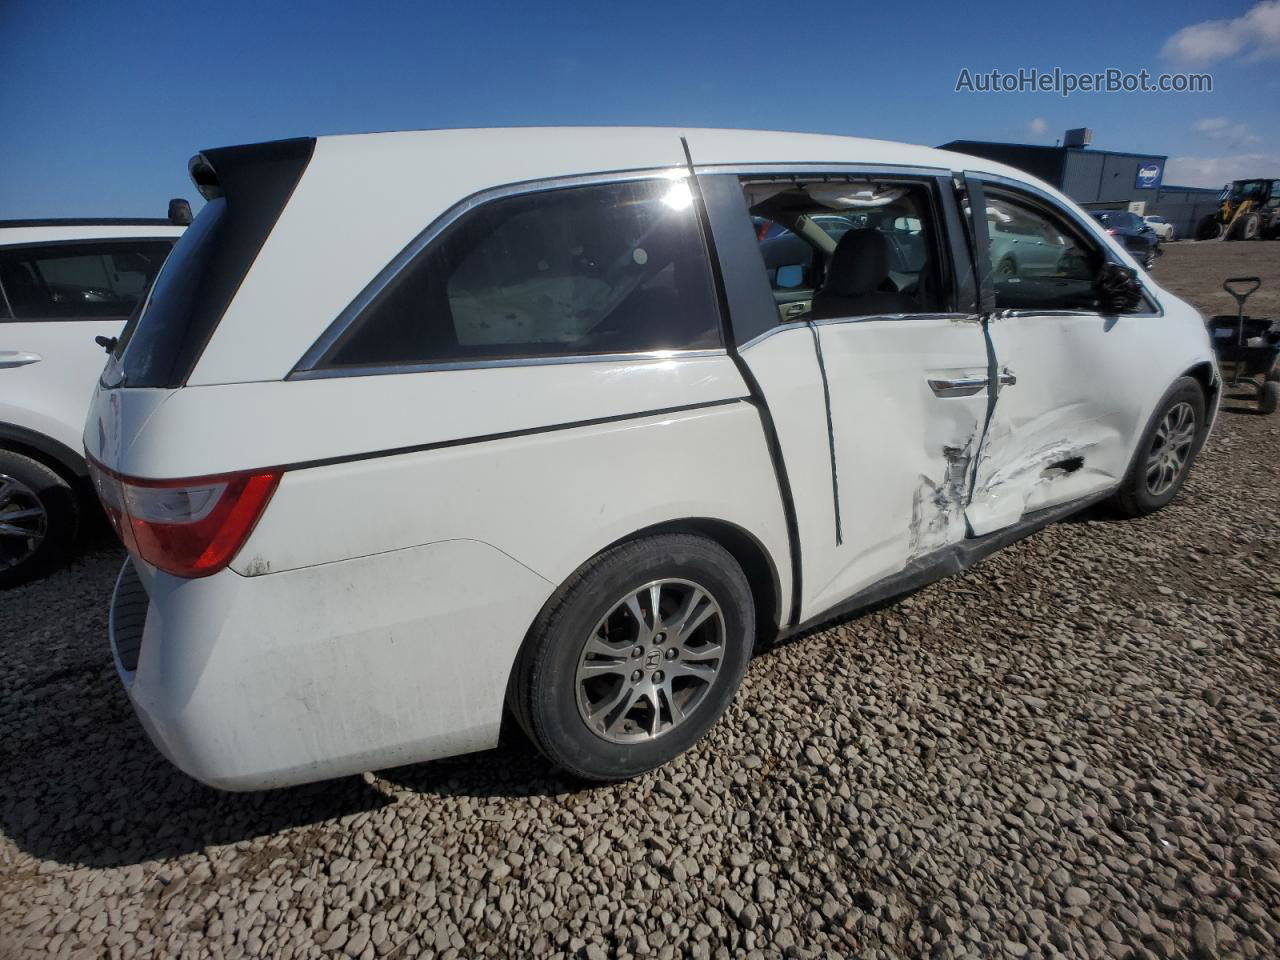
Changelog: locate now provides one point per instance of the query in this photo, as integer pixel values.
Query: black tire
(1135, 497)
(1209, 228)
(1269, 396)
(544, 693)
(1007, 268)
(31, 485)
(1251, 228)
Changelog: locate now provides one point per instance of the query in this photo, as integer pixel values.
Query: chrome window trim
(371, 370)
(340, 324)
(866, 318)
(781, 327)
(819, 169)
(1088, 226)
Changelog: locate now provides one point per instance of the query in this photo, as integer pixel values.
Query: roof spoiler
(213, 170)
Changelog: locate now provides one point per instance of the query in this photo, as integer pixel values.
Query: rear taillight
(1111, 231)
(191, 527)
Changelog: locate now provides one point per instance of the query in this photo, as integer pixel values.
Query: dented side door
(1069, 395)
(908, 404)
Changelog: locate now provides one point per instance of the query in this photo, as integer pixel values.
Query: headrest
(860, 263)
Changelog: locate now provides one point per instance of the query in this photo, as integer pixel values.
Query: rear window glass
(99, 280)
(598, 269)
(150, 341)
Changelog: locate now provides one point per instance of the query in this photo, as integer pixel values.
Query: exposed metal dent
(938, 508)
(1024, 482)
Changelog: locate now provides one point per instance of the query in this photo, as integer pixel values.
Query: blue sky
(102, 103)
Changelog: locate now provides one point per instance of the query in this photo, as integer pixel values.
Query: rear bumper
(254, 682)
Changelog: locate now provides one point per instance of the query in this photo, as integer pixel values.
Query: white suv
(62, 284)
(417, 427)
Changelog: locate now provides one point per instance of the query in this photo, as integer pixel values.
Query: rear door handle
(959, 387)
(14, 358)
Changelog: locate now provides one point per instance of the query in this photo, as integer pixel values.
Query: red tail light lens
(191, 527)
(1111, 231)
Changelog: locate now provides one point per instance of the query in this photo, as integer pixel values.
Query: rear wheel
(1166, 451)
(39, 515)
(1251, 227)
(636, 657)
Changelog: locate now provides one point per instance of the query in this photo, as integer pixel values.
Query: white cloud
(1038, 126)
(1215, 171)
(1223, 130)
(1255, 36)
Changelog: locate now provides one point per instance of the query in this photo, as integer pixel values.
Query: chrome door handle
(960, 387)
(13, 358)
(1007, 379)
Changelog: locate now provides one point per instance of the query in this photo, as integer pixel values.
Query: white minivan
(416, 429)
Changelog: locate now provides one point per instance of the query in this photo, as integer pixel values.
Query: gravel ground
(1070, 750)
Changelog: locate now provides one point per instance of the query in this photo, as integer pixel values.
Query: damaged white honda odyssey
(417, 429)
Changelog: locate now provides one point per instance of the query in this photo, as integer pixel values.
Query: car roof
(605, 148)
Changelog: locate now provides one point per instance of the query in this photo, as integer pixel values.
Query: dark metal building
(1103, 179)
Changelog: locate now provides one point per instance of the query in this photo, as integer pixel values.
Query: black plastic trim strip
(943, 563)
(757, 395)
(505, 435)
(831, 432)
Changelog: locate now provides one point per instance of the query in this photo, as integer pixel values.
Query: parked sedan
(1161, 227)
(470, 424)
(1132, 232)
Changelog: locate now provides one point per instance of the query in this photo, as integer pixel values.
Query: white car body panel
(453, 493)
(425, 516)
(320, 419)
(333, 669)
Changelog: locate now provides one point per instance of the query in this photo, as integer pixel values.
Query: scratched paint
(937, 512)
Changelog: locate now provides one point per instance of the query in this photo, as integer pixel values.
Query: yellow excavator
(1247, 210)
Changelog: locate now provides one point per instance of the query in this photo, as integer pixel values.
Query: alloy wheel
(23, 522)
(1170, 448)
(650, 661)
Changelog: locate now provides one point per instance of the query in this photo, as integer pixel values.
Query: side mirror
(1118, 288)
(790, 276)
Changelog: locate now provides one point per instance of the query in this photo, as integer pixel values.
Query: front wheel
(635, 657)
(1166, 450)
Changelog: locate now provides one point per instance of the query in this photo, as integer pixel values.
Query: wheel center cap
(652, 659)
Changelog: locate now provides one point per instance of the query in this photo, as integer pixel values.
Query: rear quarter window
(587, 270)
